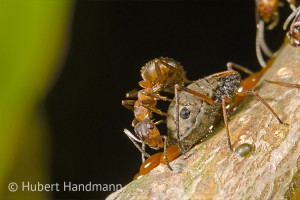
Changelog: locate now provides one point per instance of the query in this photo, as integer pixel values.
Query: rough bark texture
(212, 171)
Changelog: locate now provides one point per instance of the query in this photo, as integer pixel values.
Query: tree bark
(212, 171)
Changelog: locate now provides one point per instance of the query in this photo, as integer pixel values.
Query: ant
(294, 32)
(159, 75)
(198, 118)
(267, 12)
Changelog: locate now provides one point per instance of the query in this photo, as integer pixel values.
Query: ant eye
(150, 126)
(185, 113)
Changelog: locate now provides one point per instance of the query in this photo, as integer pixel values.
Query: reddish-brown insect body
(158, 75)
(267, 8)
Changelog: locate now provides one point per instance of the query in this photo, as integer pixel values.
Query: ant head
(149, 134)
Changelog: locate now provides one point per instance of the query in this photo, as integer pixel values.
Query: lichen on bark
(212, 171)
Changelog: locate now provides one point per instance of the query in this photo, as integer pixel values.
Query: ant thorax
(197, 118)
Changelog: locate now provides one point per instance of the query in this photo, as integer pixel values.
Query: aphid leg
(157, 96)
(221, 74)
(178, 88)
(129, 104)
(254, 93)
(165, 152)
(231, 65)
(134, 140)
(292, 85)
(224, 100)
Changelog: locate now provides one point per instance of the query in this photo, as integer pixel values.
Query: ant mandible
(267, 12)
(158, 75)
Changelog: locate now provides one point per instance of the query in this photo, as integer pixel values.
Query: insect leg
(224, 100)
(178, 88)
(176, 71)
(160, 122)
(144, 149)
(158, 73)
(292, 85)
(157, 111)
(157, 96)
(254, 93)
(231, 65)
(134, 140)
(132, 93)
(129, 104)
(260, 44)
(165, 152)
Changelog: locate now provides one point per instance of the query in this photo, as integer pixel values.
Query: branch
(212, 171)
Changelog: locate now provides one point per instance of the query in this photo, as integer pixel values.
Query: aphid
(158, 75)
(267, 12)
(196, 116)
(294, 32)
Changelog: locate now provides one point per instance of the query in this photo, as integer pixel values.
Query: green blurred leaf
(32, 35)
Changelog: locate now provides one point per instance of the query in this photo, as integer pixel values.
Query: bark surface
(212, 171)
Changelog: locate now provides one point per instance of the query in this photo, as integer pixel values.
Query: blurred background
(66, 65)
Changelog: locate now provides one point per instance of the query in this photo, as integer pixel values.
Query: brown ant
(159, 75)
(267, 12)
(294, 32)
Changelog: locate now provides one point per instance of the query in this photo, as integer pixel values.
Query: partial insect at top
(267, 12)
(294, 32)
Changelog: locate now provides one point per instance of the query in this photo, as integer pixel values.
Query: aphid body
(197, 117)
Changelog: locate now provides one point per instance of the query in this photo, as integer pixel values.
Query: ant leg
(157, 111)
(275, 19)
(231, 65)
(134, 140)
(158, 72)
(129, 104)
(224, 100)
(193, 92)
(157, 96)
(292, 85)
(132, 93)
(160, 122)
(176, 71)
(254, 93)
(165, 152)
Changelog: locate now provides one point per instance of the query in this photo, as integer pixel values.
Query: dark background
(109, 43)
